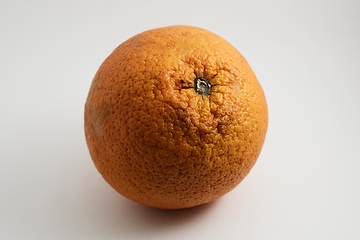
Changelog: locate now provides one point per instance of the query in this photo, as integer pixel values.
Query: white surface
(306, 183)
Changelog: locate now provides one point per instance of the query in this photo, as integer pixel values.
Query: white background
(306, 183)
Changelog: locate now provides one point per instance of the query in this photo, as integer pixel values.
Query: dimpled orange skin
(160, 141)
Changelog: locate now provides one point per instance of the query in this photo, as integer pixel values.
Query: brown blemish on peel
(99, 114)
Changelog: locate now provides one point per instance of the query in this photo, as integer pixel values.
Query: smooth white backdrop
(306, 183)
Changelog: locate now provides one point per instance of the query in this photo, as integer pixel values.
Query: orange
(175, 118)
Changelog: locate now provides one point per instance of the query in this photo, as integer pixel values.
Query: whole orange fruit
(175, 117)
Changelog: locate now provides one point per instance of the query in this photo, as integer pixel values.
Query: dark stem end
(202, 86)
